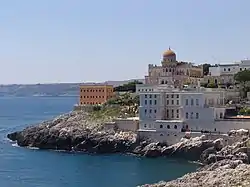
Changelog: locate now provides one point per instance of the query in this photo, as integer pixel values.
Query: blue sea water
(21, 167)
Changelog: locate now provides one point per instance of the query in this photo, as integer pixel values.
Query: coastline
(75, 132)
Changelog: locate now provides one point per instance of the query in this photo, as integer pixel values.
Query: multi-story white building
(166, 111)
(224, 73)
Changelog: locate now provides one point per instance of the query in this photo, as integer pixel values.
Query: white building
(165, 112)
(224, 73)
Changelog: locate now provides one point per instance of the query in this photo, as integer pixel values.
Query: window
(224, 69)
(150, 111)
(186, 115)
(177, 111)
(177, 115)
(192, 102)
(167, 102)
(155, 111)
(175, 126)
(172, 96)
(177, 102)
(150, 96)
(168, 126)
(186, 102)
(155, 96)
(155, 102)
(145, 111)
(228, 69)
(172, 116)
(172, 102)
(145, 125)
(197, 102)
(192, 114)
(150, 102)
(167, 113)
(167, 96)
(146, 102)
(146, 96)
(161, 126)
(197, 115)
(177, 96)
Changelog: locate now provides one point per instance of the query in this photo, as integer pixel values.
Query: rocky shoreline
(76, 131)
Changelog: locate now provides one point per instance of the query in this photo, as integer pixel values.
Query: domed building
(173, 72)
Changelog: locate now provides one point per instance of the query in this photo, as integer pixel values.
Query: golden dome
(169, 52)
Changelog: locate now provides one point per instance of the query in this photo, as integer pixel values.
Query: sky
(54, 41)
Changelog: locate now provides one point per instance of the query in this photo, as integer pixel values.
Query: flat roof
(95, 84)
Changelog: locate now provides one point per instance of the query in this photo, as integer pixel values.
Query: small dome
(169, 52)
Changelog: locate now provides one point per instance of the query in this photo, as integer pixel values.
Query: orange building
(93, 94)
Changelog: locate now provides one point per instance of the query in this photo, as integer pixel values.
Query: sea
(23, 167)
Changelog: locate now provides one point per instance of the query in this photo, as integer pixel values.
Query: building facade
(166, 111)
(173, 72)
(224, 73)
(94, 94)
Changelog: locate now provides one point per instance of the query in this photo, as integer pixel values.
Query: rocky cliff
(228, 173)
(77, 131)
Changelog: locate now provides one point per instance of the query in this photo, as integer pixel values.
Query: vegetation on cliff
(129, 87)
(120, 106)
(243, 77)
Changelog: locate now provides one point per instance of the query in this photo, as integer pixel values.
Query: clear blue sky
(96, 40)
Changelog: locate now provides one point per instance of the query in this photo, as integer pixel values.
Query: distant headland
(50, 89)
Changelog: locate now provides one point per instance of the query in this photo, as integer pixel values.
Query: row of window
(192, 102)
(168, 126)
(150, 111)
(150, 102)
(92, 96)
(91, 103)
(150, 96)
(191, 116)
(172, 96)
(161, 126)
(171, 114)
(95, 90)
(168, 70)
(172, 102)
(150, 90)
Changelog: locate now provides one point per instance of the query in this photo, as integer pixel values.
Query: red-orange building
(93, 94)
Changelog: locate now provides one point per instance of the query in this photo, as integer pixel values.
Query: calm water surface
(21, 167)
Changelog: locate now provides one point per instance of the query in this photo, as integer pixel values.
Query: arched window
(161, 126)
(175, 126)
(168, 126)
(162, 82)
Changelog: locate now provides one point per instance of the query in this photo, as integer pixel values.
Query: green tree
(212, 85)
(129, 87)
(243, 77)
